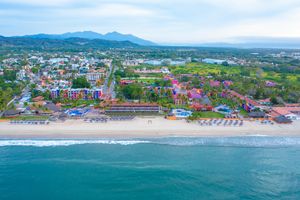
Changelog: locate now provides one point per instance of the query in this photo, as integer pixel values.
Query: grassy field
(212, 69)
(208, 114)
(19, 118)
(204, 69)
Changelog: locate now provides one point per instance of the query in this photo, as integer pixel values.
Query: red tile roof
(277, 111)
(248, 100)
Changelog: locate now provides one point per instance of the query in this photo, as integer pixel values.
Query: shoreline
(141, 128)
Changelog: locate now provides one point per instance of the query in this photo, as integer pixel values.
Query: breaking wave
(49, 143)
(242, 141)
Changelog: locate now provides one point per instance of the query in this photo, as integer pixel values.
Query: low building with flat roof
(133, 107)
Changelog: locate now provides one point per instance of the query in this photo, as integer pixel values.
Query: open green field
(26, 118)
(204, 69)
(208, 114)
(212, 69)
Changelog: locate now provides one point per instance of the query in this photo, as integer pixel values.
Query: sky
(161, 21)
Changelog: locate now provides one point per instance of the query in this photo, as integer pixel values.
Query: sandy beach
(141, 127)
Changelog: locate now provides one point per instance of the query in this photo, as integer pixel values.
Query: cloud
(39, 2)
(109, 10)
(176, 21)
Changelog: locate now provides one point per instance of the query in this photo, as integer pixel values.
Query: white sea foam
(49, 143)
(243, 141)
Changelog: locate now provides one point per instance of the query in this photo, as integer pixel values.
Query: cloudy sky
(163, 21)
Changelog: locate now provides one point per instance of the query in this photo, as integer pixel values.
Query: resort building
(147, 71)
(134, 107)
(92, 77)
(257, 114)
(248, 104)
(77, 93)
(292, 113)
(128, 63)
(213, 61)
(201, 107)
(165, 70)
(282, 120)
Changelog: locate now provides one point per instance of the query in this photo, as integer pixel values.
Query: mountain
(123, 37)
(259, 42)
(39, 42)
(114, 36)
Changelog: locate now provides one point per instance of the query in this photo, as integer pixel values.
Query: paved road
(109, 91)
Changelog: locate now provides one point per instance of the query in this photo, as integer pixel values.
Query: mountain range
(258, 42)
(63, 44)
(113, 36)
(119, 40)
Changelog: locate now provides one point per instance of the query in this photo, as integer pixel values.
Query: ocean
(252, 167)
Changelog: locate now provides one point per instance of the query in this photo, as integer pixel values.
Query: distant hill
(259, 42)
(39, 42)
(114, 36)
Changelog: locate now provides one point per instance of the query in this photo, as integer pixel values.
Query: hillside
(69, 43)
(113, 36)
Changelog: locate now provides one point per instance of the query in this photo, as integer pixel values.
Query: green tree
(132, 91)
(9, 75)
(35, 70)
(80, 82)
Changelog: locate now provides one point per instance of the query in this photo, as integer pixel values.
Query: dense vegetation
(250, 81)
(80, 82)
(132, 91)
(8, 88)
(71, 43)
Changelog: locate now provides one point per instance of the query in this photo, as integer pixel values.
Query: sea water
(252, 167)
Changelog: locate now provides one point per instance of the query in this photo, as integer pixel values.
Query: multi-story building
(80, 93)
(92, 77)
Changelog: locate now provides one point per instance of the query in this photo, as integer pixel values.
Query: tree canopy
(132, 91)
(80, 82)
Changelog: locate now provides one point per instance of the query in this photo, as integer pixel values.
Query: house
(265, 102)
(201, 107)
(51, 106)
(83, 70)
(127, 82)
(174, 82)
(195, 94)
(227, 83)
(270, 84)
(214, 83)
(38, 98)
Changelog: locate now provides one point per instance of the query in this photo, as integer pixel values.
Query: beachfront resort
(106, 87)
